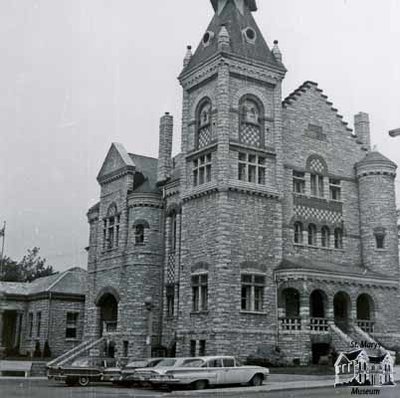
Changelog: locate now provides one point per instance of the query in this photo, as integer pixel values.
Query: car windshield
(81, 362)
(193, 363)
(152, 363)
(167, 362)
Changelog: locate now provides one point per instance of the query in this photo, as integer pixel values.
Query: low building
(48, 309)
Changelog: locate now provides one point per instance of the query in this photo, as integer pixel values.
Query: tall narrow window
(312, 235)
(325, 237)
(380, 237)
(38, 323)
(317, 185)
(298, 233)
(170, 291)
(125, 348)
(30, 325)
(250, 129)
(202, 170)
(335, 189)
(299, 182)
(139, 234)
(251, 168)
(252, 292)
(71, 325)
(192, 348)
(173, 232)
(111, 228)
(202, 347)
(200, 292)
(338, 238)
(204, 124)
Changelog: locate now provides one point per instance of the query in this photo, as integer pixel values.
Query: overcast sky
(76, 75)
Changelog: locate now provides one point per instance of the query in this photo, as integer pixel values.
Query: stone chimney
(362, 130)
(165, 148)
(188, 56)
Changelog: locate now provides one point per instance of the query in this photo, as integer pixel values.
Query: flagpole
(2, 249)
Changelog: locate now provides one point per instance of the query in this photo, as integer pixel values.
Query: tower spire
(219, 5)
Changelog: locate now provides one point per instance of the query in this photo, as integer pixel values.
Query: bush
(37, 353)
(46, 350)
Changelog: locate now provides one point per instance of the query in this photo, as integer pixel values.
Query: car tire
(256, 381)
(83, 381)
(200, 385)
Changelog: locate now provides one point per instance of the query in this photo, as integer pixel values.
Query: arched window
(298, 233)
(139, 234)
(312, 235)
(325, 237)
(111, 228)
(338, 238)
(250, 121)
(173, 232)
(204, 123)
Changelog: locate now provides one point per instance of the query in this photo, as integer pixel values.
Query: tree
(31, 267)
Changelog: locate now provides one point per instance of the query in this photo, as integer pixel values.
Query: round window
(250, 34)
(208, 36)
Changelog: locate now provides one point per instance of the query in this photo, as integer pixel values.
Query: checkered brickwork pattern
(250, 135)
(317, 166)
(328, 216)
(171, 269)
(204, 137)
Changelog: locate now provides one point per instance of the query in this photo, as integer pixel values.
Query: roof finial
(276, 51)
(188, 55)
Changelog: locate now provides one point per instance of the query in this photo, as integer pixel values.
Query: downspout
(162, 237)
(49, 319)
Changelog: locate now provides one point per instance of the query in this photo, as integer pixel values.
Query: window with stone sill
(252, 296)
(338, 235)
(71, 325)
(199, 292)
(325, 237)
(111, 228)
(299, 182)
(312, 235)
(202, 169)
(173, 232)
(380, 235)
(252, 168)
(250, 121)
(317, 185)
(170, 293)
(298, 233)
(204, 123)
(335, 190)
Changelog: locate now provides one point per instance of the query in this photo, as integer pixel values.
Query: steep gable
(117, 159)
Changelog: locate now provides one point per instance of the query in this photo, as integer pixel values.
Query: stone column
(304, 310)
(17, 335)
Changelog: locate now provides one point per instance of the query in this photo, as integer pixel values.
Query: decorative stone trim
(198, 152)
(235, 145)
(115, 175)
(252, 189)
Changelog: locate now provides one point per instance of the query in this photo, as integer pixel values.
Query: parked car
(132, 366)
(142, 376)
(85, 370)
(203, 372)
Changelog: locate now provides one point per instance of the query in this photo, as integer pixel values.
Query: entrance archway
(318, 301)
(108, 304)
(342, 310)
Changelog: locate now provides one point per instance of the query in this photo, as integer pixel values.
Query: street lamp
(394, 133)
(148, 302)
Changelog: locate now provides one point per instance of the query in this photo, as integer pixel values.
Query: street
(44, 389)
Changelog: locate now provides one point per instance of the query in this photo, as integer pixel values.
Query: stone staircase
(82, 349)
(344, 342)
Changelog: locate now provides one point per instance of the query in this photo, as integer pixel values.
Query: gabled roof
(235, 22)
(147, 166)
(71, 281)
(309, 85)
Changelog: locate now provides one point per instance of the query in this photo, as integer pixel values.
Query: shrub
(37, 353)
(46, 350)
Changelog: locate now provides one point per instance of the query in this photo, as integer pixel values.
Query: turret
(165, 148)
(376, 175)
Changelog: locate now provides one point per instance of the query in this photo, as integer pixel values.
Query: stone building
(275, 225)
(48, 309)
